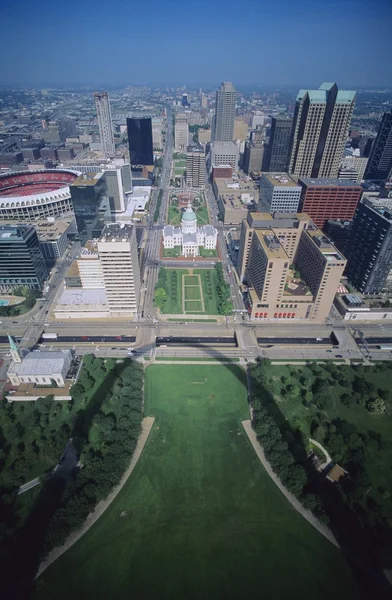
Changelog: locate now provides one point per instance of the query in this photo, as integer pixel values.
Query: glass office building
(21, 259)
(140, 141)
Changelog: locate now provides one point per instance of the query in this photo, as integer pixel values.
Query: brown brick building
(324, 199)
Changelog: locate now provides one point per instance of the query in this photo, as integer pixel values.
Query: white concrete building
(118, 186)
(224, 153)
(90, 269)
(117, 249)
(279, 193)
(181, 133)
(41, 368)
(189, 236)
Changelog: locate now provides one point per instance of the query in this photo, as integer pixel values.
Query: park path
(147, 424)
(307, 514)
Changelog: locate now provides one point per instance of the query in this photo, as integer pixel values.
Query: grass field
(191, 280)
(174, 304)
(199, 517)
(193, 306)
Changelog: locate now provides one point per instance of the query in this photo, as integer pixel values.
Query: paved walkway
(147, 424)
(30, 484)
(307, 514)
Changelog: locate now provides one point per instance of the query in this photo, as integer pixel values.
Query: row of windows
(276, 315)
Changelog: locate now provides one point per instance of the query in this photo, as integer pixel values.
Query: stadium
(36, 194)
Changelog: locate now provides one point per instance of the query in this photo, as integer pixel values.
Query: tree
(160, 298)
(376, 406)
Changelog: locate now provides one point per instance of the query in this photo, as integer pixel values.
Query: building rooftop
(41, 363)
(280, 179)
(325, 245)
(271, 244)
(79, 296)
(86, 179)
(90, 250)
(117, 232)
(73, 270)
(329, 181)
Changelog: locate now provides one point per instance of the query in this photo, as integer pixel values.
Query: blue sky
(271, 42)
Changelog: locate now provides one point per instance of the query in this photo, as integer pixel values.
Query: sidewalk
(307, 514)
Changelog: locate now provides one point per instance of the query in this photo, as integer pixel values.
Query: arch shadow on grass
(18, 571)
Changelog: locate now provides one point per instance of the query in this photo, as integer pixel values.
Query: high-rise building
(278, 151)
(241, 129)
(279, 193)
(325, 199)
(369, 248)
(195, 167)
(379, 166)
(224, 113)
(204, 136)
(353, 168)
(306, 290)
(287, 227)
(117, 248)
(254, 153)
(140, 141)
(204, 101)
(89, 267)
(118, 186)
(320, 128)
(181, 132)
(21, 261)
(224, 153)
(88, 193)
(104, 117)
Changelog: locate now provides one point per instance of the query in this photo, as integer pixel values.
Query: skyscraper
(181, 132)
(224, 113)
(369, 248)
(380, 160)
(21, 259)
(140, 141)
(320, 128)
(278, 151)
(105, 123)
(117, 248)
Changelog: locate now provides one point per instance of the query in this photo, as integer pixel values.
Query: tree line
(362, 526)
(30, 298)
(225, 305)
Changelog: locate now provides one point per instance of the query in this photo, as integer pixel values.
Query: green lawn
(193, 306)
(209, 283)
(172, 252)
(191, 280)
(180, 163)
(199, 518)
(297, 413)
(192, 292)
(197, 359)
(202, 215)
(174, 217)
(208, 253)
(174, 302)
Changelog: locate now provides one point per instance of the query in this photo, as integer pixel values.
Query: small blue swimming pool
(4, 302)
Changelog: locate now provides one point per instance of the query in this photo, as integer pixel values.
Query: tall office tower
(320, 128)
(254, 153)
(380, 160)
(305, 292)
(279, 193)
(204, 101)
(224, 113)
(140, 141)
(288, 228)
(241, 129)
(181, 132)
(90, 268)
(278, 151)
(117, 248)
(105, 123)
(325, 199)
(196, 167)
(118, 186)
(21, 259)
(369, 248)
(224, 153)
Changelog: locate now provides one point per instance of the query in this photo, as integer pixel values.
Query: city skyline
(359, 32)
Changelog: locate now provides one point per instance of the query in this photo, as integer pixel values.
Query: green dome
(189, 215)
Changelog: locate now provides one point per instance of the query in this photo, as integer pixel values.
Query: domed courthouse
(189, 236)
